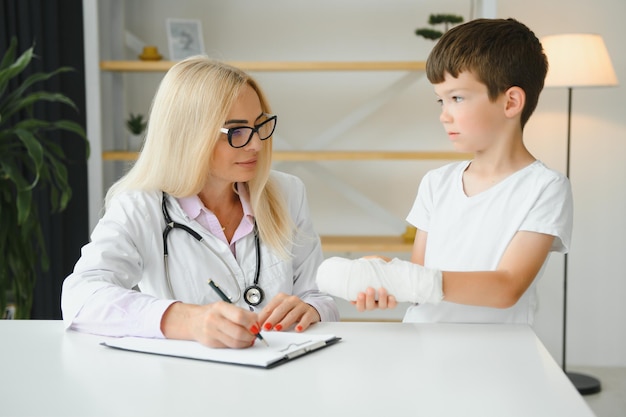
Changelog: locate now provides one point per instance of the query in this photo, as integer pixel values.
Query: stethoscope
(253, 295)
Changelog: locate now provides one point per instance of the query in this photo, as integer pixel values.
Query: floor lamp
(576, 60)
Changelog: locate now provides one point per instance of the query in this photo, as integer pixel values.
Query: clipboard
(283, 347)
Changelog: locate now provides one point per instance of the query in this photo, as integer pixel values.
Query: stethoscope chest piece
(253, 295)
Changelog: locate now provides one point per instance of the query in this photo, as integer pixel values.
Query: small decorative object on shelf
(437, 19)
(136, 126)
(184, 38)
(150, 53)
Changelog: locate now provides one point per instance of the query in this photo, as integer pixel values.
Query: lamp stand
(585, 384)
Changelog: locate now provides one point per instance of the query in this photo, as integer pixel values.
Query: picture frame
(184, 38)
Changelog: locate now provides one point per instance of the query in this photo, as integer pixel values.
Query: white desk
(378, 369)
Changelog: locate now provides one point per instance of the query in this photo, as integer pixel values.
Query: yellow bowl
(150, 53)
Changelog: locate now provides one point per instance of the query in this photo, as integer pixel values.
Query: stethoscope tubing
(171, 225)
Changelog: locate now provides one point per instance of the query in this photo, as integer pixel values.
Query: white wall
(597, 265)
(307, 103)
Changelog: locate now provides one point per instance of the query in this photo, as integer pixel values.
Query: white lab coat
(126, 250)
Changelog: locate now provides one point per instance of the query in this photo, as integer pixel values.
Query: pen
(224, 297)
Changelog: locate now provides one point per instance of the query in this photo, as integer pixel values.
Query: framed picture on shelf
(184, 37)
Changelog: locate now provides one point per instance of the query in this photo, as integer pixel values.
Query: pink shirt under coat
(194, 208)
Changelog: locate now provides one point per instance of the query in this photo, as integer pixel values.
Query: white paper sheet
(283, 346)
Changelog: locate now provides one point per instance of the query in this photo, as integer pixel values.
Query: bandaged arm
(406, 281)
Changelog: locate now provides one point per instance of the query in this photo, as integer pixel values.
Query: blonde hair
(188, 110)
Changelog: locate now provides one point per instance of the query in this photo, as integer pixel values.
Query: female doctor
(201, 205)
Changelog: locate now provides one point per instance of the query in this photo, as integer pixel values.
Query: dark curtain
(55, 28)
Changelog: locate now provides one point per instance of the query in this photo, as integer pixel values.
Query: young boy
(485, 226)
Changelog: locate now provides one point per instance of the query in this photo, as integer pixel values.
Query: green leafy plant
(29, 162)
(438, 19)
(135, 124)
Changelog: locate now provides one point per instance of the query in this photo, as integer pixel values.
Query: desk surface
(378, 369)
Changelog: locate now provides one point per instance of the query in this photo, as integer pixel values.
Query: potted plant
(136, 125)
(29, 162)
(437, 19)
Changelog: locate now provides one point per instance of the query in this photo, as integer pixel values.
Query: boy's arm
(419, 247)
(503, 287)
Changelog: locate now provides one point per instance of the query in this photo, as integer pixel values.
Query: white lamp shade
(578, 60)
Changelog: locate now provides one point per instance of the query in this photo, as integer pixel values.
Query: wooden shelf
(366, 155)
(329, 155)
(119, 155)
(269, 66)
(371, 244)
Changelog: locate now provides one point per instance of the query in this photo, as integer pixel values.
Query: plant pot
(9, 309)
(135, 142)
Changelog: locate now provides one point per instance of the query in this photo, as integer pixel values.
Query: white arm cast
(406, 281)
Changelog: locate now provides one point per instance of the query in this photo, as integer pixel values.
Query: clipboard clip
(304, 350)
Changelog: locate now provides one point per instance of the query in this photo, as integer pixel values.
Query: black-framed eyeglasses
(240, 136)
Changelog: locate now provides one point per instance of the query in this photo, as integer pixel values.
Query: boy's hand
(372, 299)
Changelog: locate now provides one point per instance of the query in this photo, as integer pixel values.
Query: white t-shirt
(472, 233)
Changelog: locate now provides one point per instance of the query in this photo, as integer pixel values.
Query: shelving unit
(104, 29)
(332, 243)
(327, 155)
(257, 66)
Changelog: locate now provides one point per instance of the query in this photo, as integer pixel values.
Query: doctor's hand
(370, 300)
(217, 325)
(284, 311)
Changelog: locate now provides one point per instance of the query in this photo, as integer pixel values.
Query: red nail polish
(298, 328)
(278, 327)
(254, 329)
(268, 326)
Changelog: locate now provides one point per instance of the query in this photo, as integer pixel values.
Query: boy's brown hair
(501, 53)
